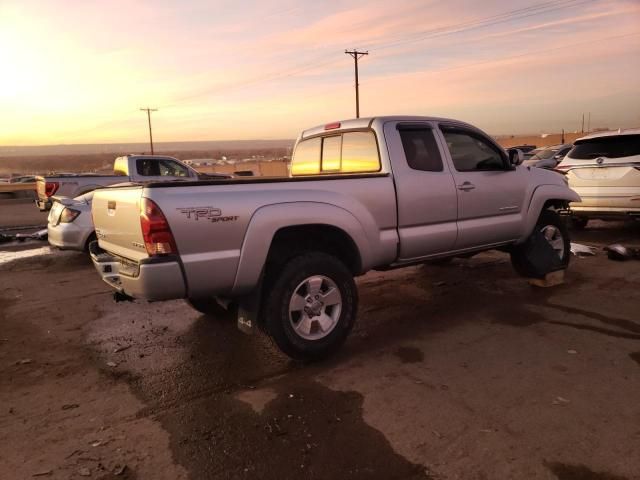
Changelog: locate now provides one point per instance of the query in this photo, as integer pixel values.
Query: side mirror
(516, 157)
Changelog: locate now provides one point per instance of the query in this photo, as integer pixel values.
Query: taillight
(68, 215)
(158, 239)
(50, 188)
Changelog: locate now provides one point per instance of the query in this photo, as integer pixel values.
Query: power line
(149, 110)
(532, 10)
(538, 9)
(356, 56)
(518, 14)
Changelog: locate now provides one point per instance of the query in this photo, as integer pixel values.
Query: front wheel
(552, 229)
(311, 306)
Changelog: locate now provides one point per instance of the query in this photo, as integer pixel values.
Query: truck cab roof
(366, 122)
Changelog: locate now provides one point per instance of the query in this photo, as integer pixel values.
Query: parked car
(369, 193)
(525, 149)
(531, 153)
(548, 157)
(604, 168)
(69, 225)
(129, 168)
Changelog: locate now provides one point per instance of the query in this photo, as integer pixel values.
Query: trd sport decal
(214, 215)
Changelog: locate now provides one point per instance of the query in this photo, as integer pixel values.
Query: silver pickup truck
(369, 193)
(129, 168)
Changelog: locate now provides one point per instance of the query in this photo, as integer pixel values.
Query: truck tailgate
(116, 217)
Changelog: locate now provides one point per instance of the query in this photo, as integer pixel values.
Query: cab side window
(470, 152)
(153, 167)
(172, 169)
(147, 167)
(421, 149)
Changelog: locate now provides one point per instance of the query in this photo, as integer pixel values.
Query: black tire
(520, 259)
(578, 223)
(209, 307)
(91, 238)
(280, 288)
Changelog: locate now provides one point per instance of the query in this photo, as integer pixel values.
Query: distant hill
(118, 148)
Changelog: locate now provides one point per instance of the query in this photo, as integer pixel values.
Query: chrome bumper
(154, 279)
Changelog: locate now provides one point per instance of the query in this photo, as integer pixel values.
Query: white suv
(604, 169)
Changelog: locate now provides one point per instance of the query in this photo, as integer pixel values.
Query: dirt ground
(452, 372)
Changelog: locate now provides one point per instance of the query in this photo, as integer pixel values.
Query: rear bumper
(67, 236)
(158, 279)
(604, 213)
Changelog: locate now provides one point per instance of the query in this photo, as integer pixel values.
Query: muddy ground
(452, 372)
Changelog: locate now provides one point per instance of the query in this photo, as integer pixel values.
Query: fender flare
(267, 220)
(541, 195)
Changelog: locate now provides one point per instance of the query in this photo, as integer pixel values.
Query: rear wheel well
(289, 242)
(92, 237)
(556, 204)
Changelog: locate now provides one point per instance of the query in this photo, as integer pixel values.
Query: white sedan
(70, 226)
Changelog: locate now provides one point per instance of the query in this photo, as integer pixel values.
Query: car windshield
(617, 146)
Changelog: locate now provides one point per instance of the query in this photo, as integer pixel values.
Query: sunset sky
(78, 71)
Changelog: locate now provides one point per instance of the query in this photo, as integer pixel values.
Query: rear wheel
(311, 306)
(92, 238)
(555, 232)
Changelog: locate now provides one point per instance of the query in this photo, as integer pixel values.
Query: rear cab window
(618, 146)
(120, 167)
(348, 152)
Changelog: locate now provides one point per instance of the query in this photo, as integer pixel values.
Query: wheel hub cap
(314, 307)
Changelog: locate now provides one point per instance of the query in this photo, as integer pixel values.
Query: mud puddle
(305, 431)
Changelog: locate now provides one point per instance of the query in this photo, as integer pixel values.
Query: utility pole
(589, 123)
(356, 55)
(149, 110)
(562, 140)
(582, 123)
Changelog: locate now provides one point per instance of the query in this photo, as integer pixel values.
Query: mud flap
(249, 310)
(541, 255)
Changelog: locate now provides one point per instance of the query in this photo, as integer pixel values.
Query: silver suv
(604, 169)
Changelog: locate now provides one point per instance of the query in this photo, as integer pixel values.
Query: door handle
(466, 186)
